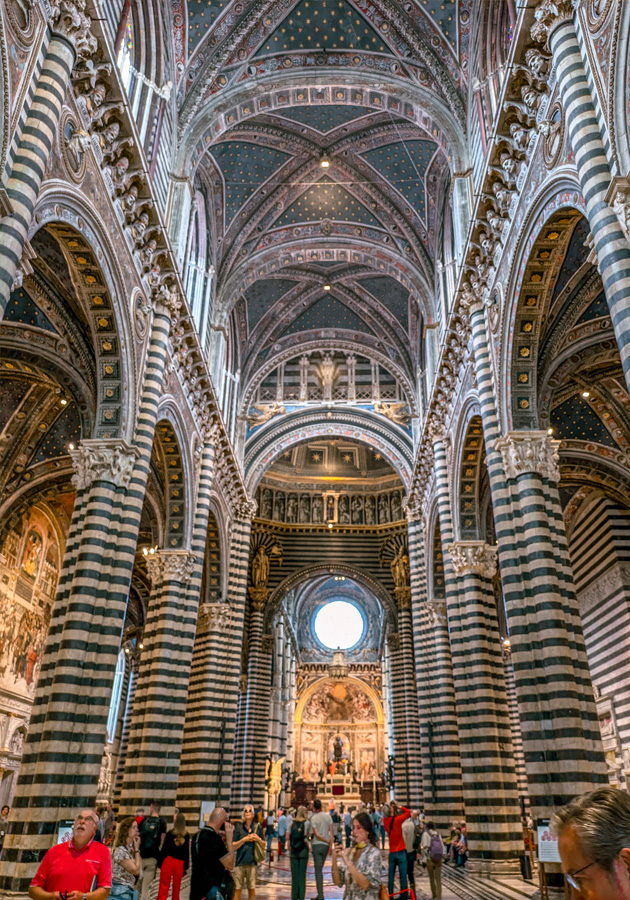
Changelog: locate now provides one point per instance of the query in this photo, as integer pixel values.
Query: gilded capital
(258, 597)
(473, 558)
(525, 452)
(549, 14)
(403, 597)
(170, 565)
(110, 460)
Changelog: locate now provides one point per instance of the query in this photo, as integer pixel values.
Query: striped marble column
(80, 658)
(515, 727)
(561, 738)
(126, 727)
(398, 722)
(71, 37)
(249, 786)
(412, 719)
(440, 756)
(209, 730)
(555, 26)
(488, 772)
(155, 737)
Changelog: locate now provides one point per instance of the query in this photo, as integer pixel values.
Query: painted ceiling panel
(575, 419)
(391, 294)
(201, 16)
(328, 312)
(404, 165)
(11, 395)
(245, 167)
(597, 310)
(576, 257)
(66, 429)
(444, 14)
(325, 118)
(323, 24)
(262, 295)
(326, 200)
(22, 308)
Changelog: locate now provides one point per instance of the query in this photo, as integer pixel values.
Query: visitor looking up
(433, 856)
(247, 833)
(213, 858)
(359, 868)
(152, 829)
(80, 868)
(300, 830)
(593, 834)
(126, 860)
(174, 858)
(322, 825)
(394, 816)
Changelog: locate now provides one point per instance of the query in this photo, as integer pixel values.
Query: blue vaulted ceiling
(262, 295)
(245, 167)
(393, 295)
(404, 165)
(325, 118)
(327, 312)
(323, 24)
(326, 200)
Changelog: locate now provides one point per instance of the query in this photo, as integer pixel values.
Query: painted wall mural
(29, 570)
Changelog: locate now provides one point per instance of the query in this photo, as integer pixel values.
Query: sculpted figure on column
(549, 14)
(529, 451)
(473, 557)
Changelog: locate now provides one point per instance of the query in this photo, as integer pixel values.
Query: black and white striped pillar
(495, 835)
(413, 765)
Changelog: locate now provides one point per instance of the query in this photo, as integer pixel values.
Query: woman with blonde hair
(300, 829)
(246, 834)
(126, 861)
(174, 857)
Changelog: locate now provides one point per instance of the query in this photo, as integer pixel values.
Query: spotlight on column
(550, 431)
(141, 646)
(70, 446)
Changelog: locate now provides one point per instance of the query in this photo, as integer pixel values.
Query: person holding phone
(126, 861)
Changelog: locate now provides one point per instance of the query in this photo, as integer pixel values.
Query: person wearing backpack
(300, 830)
(433, 850)
(152, 829)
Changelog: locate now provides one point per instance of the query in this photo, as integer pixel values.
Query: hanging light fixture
(324, 160)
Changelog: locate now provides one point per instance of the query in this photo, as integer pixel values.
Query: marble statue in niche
(344, 510)
(305, 508)
(279, 508)
(370, 511)
(330, 508)
(383, 509)
(318, 509)
(265, 504)
(396, 507)
(356, 507)
(292, 506)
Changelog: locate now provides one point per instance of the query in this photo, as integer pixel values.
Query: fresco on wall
(29, 571)
(341, 703)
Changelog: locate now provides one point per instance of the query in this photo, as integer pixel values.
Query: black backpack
(297, 839)
(150, 831)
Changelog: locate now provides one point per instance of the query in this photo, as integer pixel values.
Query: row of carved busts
(318, 508)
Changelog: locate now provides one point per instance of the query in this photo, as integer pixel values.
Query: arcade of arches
(314, 410)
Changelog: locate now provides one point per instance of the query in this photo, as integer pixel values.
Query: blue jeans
(398, 858)
(270, 838)
(348, 834)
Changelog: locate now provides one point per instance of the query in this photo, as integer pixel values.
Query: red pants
(171, 868)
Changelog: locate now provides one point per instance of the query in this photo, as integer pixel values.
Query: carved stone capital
(167, 301)
(68, 19)
(549, 14)
(437, 614)
(403, 597)
(471, 301)
(414, 509)
(525, 452)
(393, 641)
(214, 617)
(258, 597)
(170, 565)
(267, 644)
(437, 429)
(245, 510)
(473, 558)
(110, 460)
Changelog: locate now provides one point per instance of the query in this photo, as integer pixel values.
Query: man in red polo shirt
(78, 869)
(397, 847)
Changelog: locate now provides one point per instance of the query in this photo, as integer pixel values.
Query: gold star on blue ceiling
(201, 16)
(393, 295)
(244, 167)
(66, 429)
(262, 295)
(323, 24)
(597, 309)
(444, 14)
(574, 419)
(326, 200)
(23, 309)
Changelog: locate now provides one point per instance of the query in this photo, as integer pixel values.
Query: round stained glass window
(339, 625)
